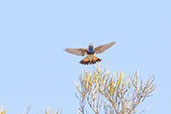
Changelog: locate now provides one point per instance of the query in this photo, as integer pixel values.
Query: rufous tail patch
(86, 61)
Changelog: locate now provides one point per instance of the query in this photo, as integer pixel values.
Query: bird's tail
(86, 61)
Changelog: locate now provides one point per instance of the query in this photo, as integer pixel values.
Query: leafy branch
(119, 94)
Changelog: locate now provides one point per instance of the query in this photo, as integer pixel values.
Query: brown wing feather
(102, 48)
(76, 51)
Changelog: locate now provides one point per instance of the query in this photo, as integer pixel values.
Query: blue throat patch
(91, 49)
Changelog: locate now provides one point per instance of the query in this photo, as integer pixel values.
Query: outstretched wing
(76, 51)
(102, 48)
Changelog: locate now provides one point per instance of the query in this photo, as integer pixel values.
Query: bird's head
(90, 48)
(90, 44)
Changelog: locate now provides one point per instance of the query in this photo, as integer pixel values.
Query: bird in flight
(90, 51)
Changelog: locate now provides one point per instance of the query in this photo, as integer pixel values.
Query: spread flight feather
(76, 51)
(83, 51)
(102, 48)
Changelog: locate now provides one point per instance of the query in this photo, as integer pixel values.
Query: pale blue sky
(34, 69)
